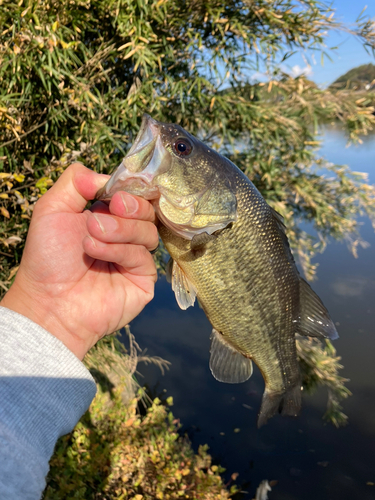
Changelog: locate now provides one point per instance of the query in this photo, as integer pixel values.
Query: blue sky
(350, 52)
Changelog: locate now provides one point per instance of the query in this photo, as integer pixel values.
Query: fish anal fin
(184, 290)
(314, 320)
(226, 363)
(286, 403)
(200, 240)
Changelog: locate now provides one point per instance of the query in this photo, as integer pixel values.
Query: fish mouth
(142, 163)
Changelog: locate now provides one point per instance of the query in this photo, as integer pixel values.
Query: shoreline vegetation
(75, 79)
(127, 445)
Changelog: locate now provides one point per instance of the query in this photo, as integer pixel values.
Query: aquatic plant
(320, 366)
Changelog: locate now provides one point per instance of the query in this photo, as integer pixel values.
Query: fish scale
(229, 249)
(255, 304)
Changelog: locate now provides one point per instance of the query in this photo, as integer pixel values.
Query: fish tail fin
(286, 403)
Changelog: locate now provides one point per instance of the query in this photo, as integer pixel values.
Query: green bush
(76, 76)
(114, 453)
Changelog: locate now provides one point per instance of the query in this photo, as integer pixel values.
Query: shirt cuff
(44, 390)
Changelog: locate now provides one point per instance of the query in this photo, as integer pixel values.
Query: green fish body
(229, 249)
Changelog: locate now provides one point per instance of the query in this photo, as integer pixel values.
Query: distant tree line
(359, 78)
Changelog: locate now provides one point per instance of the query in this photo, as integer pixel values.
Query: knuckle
(75, 165)
(135, 256)
(150, 212)
(142, 254)
(154, 236)
(131, 225)
(127, 229)
(146, 210)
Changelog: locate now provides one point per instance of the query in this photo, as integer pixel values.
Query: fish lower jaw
(140, 186)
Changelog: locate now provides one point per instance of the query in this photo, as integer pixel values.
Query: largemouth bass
(229, 249)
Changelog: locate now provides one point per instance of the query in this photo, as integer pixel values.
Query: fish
(229, 250)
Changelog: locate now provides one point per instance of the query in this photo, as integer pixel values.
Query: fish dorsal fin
(279, 219)
(227, 364)
(182, 287)
(201, 240)
(314, 320)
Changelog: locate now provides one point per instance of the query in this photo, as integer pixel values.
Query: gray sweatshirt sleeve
(44, 390)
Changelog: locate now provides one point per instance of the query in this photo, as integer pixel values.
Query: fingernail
(91, 239)
(130, 203)
(106, 223)
(96, 243)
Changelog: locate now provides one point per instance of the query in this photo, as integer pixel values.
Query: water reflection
(353, 286)
(360, 157)
(309, 458)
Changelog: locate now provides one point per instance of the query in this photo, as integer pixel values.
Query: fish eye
(182, 147)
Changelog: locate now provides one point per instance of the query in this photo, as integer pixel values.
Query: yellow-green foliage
(114, 453)
(320, 365)
(76, 77)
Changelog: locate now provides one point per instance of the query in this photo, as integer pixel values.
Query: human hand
(84, 275)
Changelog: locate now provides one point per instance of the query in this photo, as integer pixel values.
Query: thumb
(76, 186)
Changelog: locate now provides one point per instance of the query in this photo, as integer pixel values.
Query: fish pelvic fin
(287, 403)
(226, 363)
(314, 320)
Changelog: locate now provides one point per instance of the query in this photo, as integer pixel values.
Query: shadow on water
(309, 458)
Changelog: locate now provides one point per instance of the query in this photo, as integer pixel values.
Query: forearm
(44, 390)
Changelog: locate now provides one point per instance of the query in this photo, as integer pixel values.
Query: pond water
(309, 458)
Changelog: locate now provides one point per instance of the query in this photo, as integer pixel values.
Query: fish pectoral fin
(201, 240)
(226, 363)
(314, 320)
(184, 290)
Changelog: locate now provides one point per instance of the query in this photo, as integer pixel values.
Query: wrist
(35, 309)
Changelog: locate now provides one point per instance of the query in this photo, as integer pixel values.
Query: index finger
(132, 207)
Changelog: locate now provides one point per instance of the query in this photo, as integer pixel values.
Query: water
(309, 458)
